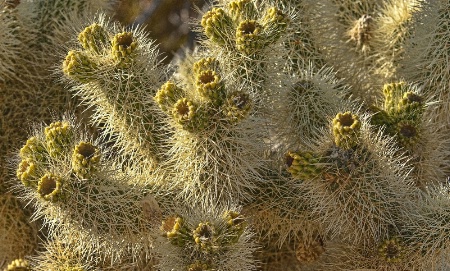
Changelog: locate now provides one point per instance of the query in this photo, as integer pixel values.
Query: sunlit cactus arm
(217, 143)
(302, 109)
(426, 227)
(64, 252)
(282, 222)
(394, 28)
(426, 62)
(345, 35)
(359, 176)
(117, 71)
(410, 118)
(354, 37)
(246, 38)
(74, 188)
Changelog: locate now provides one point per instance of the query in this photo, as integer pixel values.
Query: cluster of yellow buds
(18, 265)
(123, 49)
(346, 130)
(50, 187)
(239, 26)
(85, 159)
(100, 47)
(402, 113)
(391, 250)
(58, 136)
(79, 66)
(41, 159)
(302, 165)
(216, 23)
(94, 38)
(168, 95)
(207, 104)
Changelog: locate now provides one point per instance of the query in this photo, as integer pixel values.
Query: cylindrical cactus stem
(358, 171)
(10, 43)
(81, 192)
(242, 39)
(118, 72)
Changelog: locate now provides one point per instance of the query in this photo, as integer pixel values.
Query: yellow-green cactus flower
(175, 231)
(34, 149)
(249, 37)
(188, 115)
(26, 172)
(208, 63)
(85, 159)
(209, 86)
(50, 187)
(217, 24)
(237, 107)
(168, 95)
(204, 235)
(123, 49)
(79, 66)
(302, 165)
(58, 136)
(275, 23)
(346, 130)
(410, 107)
(391, 250)
(391, 92)
(94, 38)
(18, 265)
(407, 133)
(241, 10)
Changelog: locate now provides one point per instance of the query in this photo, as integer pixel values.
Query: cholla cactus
(71, 182)
(206, 239)
(130, 58)
(325, 121)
